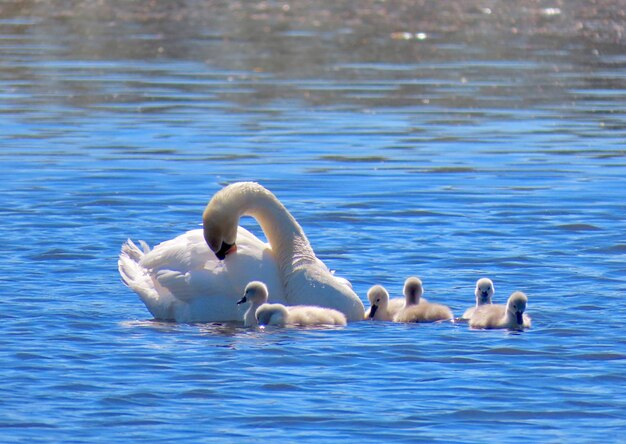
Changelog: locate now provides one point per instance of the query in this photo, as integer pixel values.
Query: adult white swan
(199, 276)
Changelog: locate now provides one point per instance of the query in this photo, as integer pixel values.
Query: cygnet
(510, 316)
(260, 312)
(379, 304)
(256, 294)
(301, 315)
(416, 311)
(484, 292)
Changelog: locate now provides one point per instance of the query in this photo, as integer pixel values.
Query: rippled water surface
(448, 140)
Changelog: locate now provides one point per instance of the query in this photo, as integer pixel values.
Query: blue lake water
(449, 142)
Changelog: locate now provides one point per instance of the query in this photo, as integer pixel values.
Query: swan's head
(413, 290)
(379, 299)
(256, 293)
(484, 291)
(220, 224)
(516, 306)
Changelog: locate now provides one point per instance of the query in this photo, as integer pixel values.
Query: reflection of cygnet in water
(416, 311)
(509, 316)
(277, 314)
(484, 292)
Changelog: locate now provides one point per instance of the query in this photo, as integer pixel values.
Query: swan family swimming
(201, 275)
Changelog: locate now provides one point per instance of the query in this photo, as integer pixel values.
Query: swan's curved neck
(289, 243)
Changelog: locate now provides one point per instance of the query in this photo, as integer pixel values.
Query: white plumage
(183, 280)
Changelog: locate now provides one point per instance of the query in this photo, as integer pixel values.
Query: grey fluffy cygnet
(511, 316)
(262, 313)
(417, 310)
(483, 292)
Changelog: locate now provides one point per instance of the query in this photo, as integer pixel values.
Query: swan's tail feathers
(136, 277)
(128, 263)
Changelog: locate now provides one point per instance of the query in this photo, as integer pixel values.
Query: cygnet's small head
(484, 291)
(413, 290)
(272, 314)
(379, 299)
(256, 293)
(516, 305)
(219, 224)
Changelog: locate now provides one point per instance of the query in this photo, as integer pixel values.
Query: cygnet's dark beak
(243, 300)
(224, 250)
(373, 311)
(520, 318)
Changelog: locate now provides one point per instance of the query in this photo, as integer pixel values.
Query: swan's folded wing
(186, 252)
(189, 251)
(177, 283)
(344, 281)
(197, 285)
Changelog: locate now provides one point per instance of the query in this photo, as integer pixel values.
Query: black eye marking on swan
(223, 251)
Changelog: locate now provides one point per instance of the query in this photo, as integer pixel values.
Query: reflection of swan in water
(278, 314)
(198, 276)
(483, 292)
(509, 316)
(417, 310)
